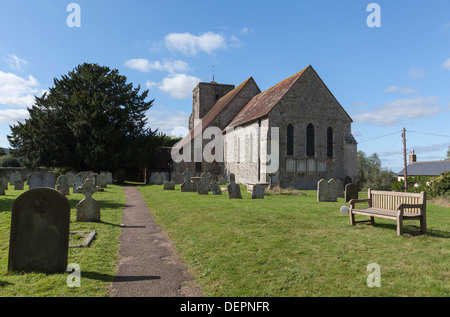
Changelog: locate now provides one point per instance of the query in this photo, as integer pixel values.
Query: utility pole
(405, 173)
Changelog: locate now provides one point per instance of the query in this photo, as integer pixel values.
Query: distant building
(430, 168)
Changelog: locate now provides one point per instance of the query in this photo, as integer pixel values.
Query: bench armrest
(400, 207)
(352, 202)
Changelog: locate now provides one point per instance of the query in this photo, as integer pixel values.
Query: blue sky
(387, 78)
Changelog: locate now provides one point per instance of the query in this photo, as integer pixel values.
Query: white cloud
(172, 123)
(358, 104)
(245, 30)
(16, 91)
(190, 44)
(15, 62)
(401, 90)
(415, 73)
(178, 86)
(11, 116)
(446, 64)
(393, 112)
(146, 66)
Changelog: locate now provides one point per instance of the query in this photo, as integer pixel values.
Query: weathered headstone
(39, 239)
(70, 179)
(203, 185)
(339, 189)
(14, 177)
(177, 178)
(62, 185)
(4, 181)
(221, 180)
(258, 191)
(169, 185)
(78, 181)
(88, 209)
(215, 188)
(351, 192)
(37, 180)
(234, 190)
(327, 191)
(18, 184)
(187, 185)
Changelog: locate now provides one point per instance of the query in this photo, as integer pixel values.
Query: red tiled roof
(261, 104)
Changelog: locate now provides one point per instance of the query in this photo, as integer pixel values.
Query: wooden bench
(393, 206)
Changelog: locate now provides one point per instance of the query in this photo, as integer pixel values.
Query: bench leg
(372, 221)
(399, 225)
(352, 218)
(423, 225)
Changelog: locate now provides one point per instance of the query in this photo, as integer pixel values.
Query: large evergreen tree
(91, 119)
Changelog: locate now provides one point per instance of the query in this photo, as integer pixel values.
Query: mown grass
(98, 263)
(292, 246)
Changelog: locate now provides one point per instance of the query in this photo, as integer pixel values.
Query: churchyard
(287, 243)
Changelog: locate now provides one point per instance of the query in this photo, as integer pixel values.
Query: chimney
(412, 157)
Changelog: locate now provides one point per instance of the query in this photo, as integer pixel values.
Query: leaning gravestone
(39, 239)
(234, 190)
(258, 191)
(88, 209)
(169, 185)
(203, 185)
(62, 185)
(327, 191)
(351, 192)
(187, 185)
(215, 188)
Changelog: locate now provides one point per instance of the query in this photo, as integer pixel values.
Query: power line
(379, 137)
(445, 136)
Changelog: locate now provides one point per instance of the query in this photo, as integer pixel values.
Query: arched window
(329, 142)
(310, 148)
(290, 140)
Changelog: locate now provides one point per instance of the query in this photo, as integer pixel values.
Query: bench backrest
(390, 200)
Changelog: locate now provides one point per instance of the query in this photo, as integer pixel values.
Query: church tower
(205, 96)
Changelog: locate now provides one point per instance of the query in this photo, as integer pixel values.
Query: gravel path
(148, 266)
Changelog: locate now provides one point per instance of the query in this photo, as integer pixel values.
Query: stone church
(291, 135)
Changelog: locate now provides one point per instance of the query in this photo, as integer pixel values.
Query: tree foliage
(371, 174)
(91, 119)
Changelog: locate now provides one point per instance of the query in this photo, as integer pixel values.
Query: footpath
(148, 266)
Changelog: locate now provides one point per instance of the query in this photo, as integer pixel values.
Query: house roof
(432, 168)
(217, 109)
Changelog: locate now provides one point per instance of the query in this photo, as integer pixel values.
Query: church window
(290, 140)
(310, 147)
(329, 142)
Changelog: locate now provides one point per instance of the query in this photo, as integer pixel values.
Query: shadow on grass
(3, 284)
(414, 230)
(6, 203)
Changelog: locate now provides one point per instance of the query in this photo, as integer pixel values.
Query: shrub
(9, 161)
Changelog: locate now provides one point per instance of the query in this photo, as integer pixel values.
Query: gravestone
(339, 189)
(18, 184)
(4, 181)
(258, 191)
(70, 179)
(109, 178)
(2, 187)
(326, 191)
(169, 185)
(88, 209)
(221, 180)
(37, 180)
(351, 192)
(234, 190)
(344, 210)
(78, 181)
(62, 185)
(102, 180)
(14, 177)
(187, 185)
(203, 185)
(94, 177)
(39, 238)
(215, 188)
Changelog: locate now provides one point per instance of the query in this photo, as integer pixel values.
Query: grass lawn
(98, 263)
(293, 246)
